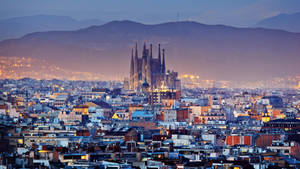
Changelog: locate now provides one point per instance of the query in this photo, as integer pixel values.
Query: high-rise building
(149, 72)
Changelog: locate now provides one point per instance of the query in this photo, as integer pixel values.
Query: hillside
(211, 51)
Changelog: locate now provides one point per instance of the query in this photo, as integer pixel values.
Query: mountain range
(20, 26)
(210, 51)
(288, 22)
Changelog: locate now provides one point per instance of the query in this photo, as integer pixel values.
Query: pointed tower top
(151, 51)
(131, 63)
(164, 63)
(144, 50)
(132, 53)
(136, 51)
(159, 57)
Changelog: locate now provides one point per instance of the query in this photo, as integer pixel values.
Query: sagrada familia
(148, 72)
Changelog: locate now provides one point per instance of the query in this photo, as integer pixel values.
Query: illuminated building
(159, 95)
(149, 71)
(84, 111)
(282, 124)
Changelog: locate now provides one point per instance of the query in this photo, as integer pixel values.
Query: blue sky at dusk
(229, 12)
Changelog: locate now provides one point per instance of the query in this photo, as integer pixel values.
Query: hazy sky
(229, 12)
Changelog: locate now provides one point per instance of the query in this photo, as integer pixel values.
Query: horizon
(227, 12)
(145, 22)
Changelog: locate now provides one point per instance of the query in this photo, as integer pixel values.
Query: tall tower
(150, 51)
(159, 60)
(136, 68)
(144, 62)
(163, 69)
(131, 71)
(159, 57)
(148, 67)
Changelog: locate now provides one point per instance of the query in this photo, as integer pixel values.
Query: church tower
(148, 67)
(149, 70)
(144, 62)
(159, 57)
(131, 71)
(163, 69)
(136, 68)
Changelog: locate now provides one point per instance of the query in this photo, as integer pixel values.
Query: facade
(159, 96)
(148, 72)
(239, 140)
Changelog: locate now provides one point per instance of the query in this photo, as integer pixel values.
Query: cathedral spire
(150, 51)
(145, 52)
(144, 61)
(163, 71)
(144, 49)
(136, 68)
(148, 65)
(136, 51)
(159, 57)
(131, 62)
(131, 70)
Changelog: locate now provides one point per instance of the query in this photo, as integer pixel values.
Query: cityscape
(195, 84)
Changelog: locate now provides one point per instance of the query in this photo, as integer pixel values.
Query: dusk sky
(228, 12)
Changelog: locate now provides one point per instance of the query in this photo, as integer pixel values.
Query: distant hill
(19, 26)
(210, 51)
(288, 22)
